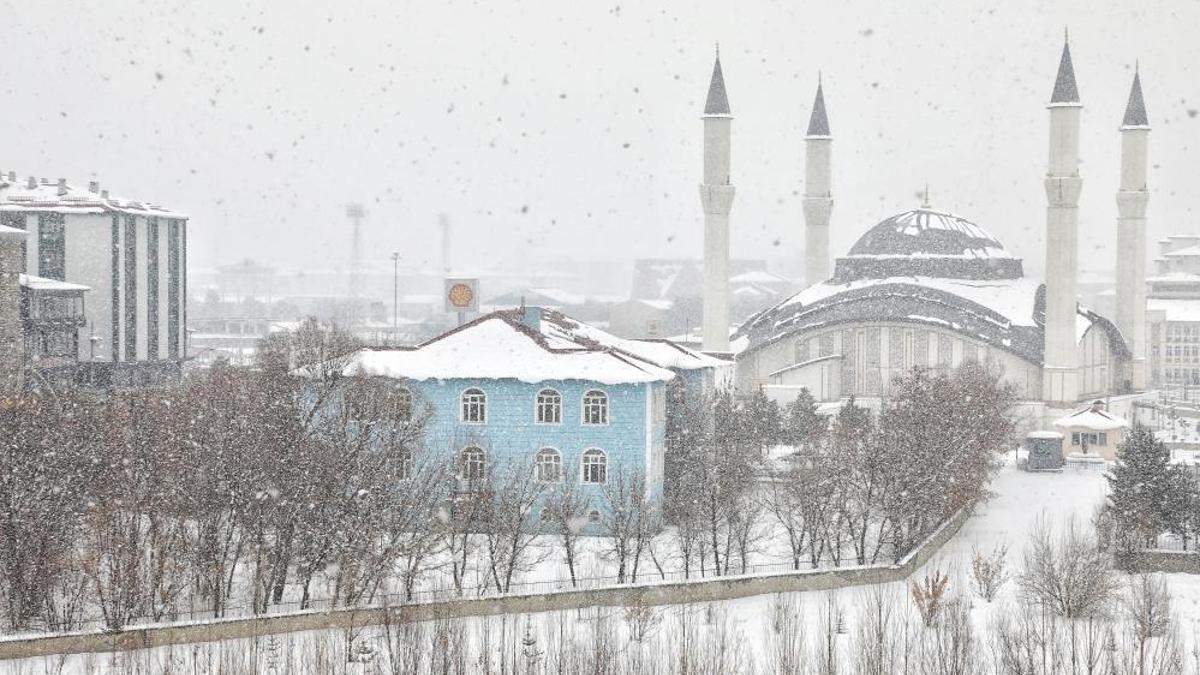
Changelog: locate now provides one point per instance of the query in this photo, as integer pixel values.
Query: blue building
(534, 387)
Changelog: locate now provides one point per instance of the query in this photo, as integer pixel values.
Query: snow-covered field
(1020, 501)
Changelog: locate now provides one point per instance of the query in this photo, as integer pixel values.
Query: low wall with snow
(700, 590)
(1185, 562)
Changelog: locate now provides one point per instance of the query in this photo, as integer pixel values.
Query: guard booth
(1045, 451)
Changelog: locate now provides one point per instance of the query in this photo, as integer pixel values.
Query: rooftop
(500, 346)
(35, 283)
(44, 195)
(1091, 417)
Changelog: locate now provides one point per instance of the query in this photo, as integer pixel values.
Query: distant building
(1092, 431)
(535, 386)
(666, 295)
(132, 255)
(1173, 313)
(12, 340)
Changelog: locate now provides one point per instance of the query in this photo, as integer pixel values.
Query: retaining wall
(701, 590)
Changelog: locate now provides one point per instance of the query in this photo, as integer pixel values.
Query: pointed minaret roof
(718, 102)
(1065, 90)
(1135, 110)
(818, 122)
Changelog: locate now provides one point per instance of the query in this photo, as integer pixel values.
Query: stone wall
(704, 590)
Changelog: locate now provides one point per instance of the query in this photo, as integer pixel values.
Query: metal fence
(1172, 543)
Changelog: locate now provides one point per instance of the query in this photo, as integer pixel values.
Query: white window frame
(603, 407)
(557, 406)
(463, 473)
(557, 462)
(403, 394)
(584, 464)
(462, 406)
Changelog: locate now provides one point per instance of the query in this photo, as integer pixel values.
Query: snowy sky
(546, 128)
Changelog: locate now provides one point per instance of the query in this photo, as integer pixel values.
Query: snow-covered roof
(47, 196)
(1091, 418)
(35, 283)
(1013, 299)
(1006, 313)
(758, 277)
(11, 231)
(499, 346)
(1044, 435)
(1175, 309)
(662, 353)
(1175, 276)
(1188, 252)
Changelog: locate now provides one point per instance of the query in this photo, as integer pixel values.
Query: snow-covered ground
(1020, 501)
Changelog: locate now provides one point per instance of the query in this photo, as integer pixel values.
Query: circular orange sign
(461, 295)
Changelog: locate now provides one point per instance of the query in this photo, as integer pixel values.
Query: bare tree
(1069, 575)
(565, 513)
(629, 522)
(510, 525)
(989, 571)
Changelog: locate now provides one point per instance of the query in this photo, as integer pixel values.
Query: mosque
(925, 288)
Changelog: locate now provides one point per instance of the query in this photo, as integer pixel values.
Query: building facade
(133, 257)
(536, 389)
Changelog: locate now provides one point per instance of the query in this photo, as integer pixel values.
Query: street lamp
(395, 295)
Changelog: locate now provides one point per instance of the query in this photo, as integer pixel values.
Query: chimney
(531, 316)
(32, 184)
(62, 186)
(93, 186)
(12, 176)
(104, 194)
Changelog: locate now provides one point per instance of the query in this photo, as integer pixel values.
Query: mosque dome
(927, 243)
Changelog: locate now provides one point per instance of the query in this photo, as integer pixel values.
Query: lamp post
(395, 294)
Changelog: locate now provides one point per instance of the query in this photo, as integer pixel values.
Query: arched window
(595, 466)
(549, 407)
(400, 402)
(474, 406)
(595, 407)
(549, 466)
(472, 464)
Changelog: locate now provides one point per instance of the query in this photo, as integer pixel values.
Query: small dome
(927, 243)
(927, 232)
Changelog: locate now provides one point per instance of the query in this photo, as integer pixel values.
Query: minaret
(1060, 377)
(716, 196)
(1132, 198)
(818, 195)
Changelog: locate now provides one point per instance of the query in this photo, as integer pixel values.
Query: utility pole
(355, 213)
(395, 295)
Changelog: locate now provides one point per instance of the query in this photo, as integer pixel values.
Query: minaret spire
(818, 120)
(818, 190)
(717, 102)
(1132, 199)
(1135, 109)
(1065, 90)
(1060, 377)
(716, 197)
